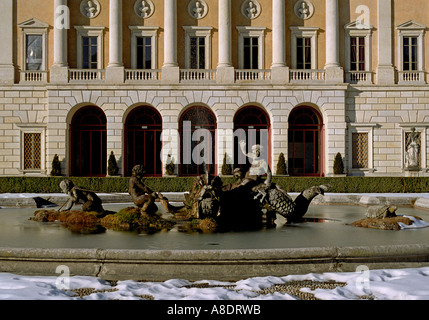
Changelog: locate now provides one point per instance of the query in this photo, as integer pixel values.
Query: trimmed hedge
(180, 184)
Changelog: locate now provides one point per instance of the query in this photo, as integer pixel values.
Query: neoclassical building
(188, 80)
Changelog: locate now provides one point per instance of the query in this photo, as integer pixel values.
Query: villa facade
(187, 80)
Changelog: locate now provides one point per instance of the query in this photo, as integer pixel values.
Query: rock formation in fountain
(384, 217)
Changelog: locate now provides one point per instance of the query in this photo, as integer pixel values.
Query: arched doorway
(305, 139)
(142, 137)
(88, 142)
(252, 125)
(197, 128)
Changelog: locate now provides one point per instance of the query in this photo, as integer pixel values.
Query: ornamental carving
(304, 9)
(90, 8)
(251, 9)
(198, 9)
(144, 9)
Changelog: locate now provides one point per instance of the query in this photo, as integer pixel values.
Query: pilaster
(225, 69)
(334, 72)
(115, 69)
(7, 69)
(385, 68)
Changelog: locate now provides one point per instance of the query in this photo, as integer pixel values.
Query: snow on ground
(383, 284)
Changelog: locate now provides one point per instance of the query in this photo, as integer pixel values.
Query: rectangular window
(360, 150)
(90, 53)
(303, 53)
(251, 53)
(32, 151)
(34, 52)
(144, 52)
(357, 54)
(410, 54)
(198, 52)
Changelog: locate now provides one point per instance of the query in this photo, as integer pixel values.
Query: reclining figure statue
(91, 202)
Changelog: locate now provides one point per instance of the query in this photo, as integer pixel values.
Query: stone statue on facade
(91, 9)
(412, 149)
(198, 10)
(252, 10)
(144, 9)
(304, 11)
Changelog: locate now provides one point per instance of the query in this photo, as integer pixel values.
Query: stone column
(334, 72)
(115, 68)
(59, 70)
(385, 69)
(7, 69)
(170, 68)
(225, 69)
(279, 70)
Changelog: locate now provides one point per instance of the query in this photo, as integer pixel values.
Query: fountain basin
(32, 248)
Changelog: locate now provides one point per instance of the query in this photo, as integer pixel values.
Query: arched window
(305, 142)
(142, 138)
(88, 142)
(252, 125)
(197, 138)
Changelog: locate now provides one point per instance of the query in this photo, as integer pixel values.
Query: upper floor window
(304, 48)
(89, 47)
(358, 52)
(251, 53)
(251, 43)
(144, 52)
(411, 52)
(198, 52)
(34, 59)
(34, 52)
(303, 53)
(89, 53)
(197, 47)
(409, 49)
(144, 47)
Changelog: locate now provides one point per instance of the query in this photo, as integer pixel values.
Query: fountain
(249, 228)
(248, 204)
(34, 248)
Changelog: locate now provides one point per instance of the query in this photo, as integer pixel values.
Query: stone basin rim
(193, 265)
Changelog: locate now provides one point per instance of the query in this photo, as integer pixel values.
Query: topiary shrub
(56, 167)
(338, 164)
(226, 167)
(281, 165)
(170, 167)
(112, 167)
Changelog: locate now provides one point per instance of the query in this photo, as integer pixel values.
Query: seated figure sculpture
(91, 202)
(143, 197)
(259, 167)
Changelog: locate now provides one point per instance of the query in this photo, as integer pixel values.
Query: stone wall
(387, 112)
(392, 111)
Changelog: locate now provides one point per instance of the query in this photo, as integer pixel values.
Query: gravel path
(293, 288)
